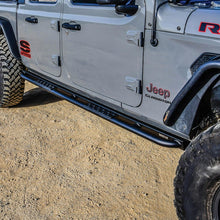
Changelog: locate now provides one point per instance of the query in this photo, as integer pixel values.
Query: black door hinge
(142, 39)
(133, 84)
(58, 26)
(139, 87)
(59, 61)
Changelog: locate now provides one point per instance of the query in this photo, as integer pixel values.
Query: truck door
(39, 36)
(102, 50)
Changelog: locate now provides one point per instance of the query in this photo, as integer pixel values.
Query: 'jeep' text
(162, 92)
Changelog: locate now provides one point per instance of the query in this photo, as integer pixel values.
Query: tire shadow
(36, 97)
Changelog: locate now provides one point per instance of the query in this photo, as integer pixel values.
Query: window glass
(7, 0)
(44, 1)
(84, 1)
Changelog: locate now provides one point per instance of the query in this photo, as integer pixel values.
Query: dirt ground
(58, 161)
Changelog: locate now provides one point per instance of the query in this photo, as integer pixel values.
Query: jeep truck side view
(152, 67)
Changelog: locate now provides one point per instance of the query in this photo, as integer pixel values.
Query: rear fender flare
(7, 30)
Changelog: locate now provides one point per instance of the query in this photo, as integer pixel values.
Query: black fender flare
(199, 79)
(7, 30)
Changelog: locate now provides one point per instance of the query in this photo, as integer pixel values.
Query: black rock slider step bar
(151, 133)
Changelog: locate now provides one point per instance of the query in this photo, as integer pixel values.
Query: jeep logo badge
(162, 92)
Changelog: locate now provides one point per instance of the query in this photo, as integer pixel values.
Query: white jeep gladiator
(150, 66)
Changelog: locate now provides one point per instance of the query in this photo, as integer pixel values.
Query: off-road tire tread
(12, 85)
(201, 145)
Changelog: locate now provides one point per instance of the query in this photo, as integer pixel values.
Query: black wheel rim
(216, 205)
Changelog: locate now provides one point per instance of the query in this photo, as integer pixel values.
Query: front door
(39, 36)
(102, 50)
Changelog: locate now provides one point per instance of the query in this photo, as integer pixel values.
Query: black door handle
(31, 20)
(75, 27)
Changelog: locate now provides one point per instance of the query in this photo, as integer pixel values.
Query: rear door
(104, 53)
(39, 36)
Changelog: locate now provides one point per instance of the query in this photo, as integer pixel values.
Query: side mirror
(127, 10)
(120, 6)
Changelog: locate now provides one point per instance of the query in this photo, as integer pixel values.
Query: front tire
(197, 182)
(11, 83)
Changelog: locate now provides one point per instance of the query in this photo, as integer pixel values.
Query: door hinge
(142, 39)
(59, 61)
(58, 26)
(134, 84)
(55, 25)
(139, 90)
(56, 60)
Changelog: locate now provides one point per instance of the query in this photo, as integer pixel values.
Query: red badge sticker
(212, 27)
(25, 48)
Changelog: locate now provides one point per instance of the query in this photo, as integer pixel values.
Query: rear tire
(11, 83)
(197, 182)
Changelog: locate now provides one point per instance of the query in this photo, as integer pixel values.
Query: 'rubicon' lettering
(212, 27)
(162, 92)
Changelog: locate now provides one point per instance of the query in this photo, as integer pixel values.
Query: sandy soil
(58, 161)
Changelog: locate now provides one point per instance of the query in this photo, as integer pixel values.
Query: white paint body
(105, 57)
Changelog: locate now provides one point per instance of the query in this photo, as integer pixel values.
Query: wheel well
(205, 74)
(204, 116)
(7, 30)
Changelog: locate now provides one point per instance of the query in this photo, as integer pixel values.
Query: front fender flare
(7, 30)
(191, 88)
